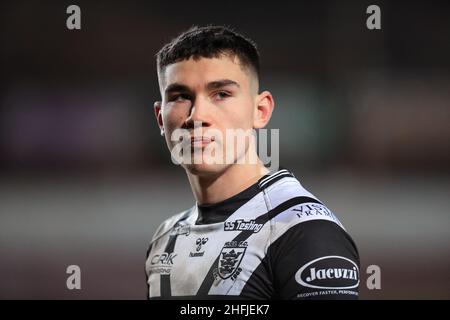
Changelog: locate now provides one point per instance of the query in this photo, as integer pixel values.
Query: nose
(199, 112)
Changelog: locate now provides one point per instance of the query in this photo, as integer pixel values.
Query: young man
(252, 234)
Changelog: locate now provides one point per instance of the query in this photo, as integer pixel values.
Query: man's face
(218, 93)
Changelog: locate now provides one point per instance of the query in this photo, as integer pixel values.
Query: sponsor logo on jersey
(242, 225)
(230, 259)
(162, 263)
(181, 229)
(330, 272)
(199, 243)
(313, 209)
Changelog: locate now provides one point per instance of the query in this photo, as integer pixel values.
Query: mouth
(200, 142)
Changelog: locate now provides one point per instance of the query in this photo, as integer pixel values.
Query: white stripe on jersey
(273, 176)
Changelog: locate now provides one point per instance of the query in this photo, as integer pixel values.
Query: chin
(204, 169)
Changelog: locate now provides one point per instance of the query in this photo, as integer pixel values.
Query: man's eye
(222, 95)
(179, 98)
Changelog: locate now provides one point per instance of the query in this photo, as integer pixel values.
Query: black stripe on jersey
(262, 219)
(165, 278)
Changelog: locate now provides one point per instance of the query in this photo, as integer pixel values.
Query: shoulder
(291, 204)
(168, 224)
(310, 253)
(297, 214)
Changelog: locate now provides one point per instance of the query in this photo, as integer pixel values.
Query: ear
(158, 115)
(264, 107)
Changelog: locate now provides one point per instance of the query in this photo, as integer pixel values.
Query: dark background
(85, 177)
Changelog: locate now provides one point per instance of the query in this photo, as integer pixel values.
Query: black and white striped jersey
(274, 240)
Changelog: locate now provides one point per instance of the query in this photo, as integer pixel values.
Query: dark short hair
(209, 42)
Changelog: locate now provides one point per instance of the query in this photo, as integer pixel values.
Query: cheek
(172, 118)
(241, 116)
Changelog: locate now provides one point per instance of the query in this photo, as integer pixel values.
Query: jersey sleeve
(314, 259)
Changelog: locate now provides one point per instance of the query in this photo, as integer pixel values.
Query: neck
(214, 188)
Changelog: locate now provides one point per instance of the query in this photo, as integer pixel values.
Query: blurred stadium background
(85, 177)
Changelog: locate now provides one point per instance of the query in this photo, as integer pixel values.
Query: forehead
(196, 73)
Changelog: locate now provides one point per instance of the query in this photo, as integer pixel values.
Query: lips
(198, 142)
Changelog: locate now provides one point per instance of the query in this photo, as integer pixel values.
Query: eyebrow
(221, 83)
(178, 87)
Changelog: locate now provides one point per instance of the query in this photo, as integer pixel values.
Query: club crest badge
(230, 258)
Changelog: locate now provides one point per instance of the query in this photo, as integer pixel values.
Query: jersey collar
(219, 212)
